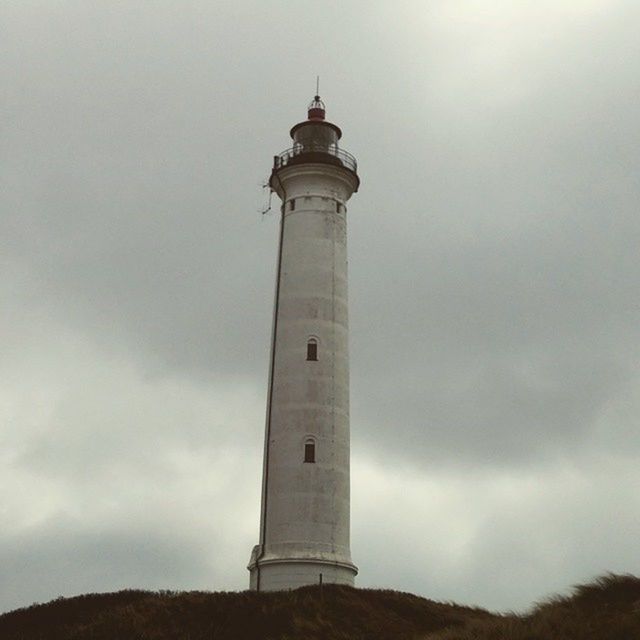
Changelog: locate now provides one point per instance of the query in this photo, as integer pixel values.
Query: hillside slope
(608, 609)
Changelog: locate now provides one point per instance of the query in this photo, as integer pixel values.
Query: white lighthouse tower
(304, 519)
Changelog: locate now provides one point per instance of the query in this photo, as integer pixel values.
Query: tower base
(286, 574)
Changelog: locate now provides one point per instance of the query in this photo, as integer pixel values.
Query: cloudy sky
(494, 287)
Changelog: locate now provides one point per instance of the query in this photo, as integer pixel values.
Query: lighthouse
(305, 508)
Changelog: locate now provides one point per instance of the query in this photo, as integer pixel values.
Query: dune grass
(607, 609)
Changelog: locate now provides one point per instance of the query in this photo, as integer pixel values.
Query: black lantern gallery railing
(315, 153)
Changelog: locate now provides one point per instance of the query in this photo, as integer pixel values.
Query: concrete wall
(291, 575)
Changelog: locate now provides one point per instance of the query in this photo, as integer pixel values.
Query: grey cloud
(505, 288)
(515, 537)
(67, 561)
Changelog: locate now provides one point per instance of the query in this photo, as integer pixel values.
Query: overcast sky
(494, 288)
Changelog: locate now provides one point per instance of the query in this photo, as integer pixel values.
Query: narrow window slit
(309, 451)
(312, 349)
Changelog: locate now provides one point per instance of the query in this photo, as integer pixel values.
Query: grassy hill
(608, 609)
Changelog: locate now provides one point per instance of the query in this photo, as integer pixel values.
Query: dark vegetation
(608, 609)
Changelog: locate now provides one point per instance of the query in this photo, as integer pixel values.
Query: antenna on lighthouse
(317, 85)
